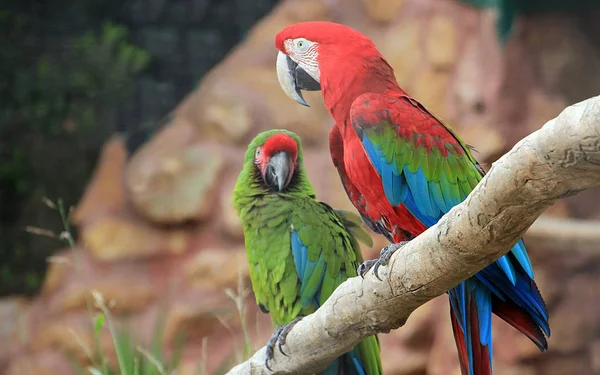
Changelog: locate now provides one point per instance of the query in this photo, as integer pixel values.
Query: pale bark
(557, 161)
(558, 234)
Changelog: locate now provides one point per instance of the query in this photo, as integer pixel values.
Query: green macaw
(299, 249)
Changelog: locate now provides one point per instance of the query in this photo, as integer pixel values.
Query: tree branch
(559, 234)
(557, 161)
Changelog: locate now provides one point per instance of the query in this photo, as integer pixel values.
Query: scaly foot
(384, 258)
(271, 346)
(279, 337)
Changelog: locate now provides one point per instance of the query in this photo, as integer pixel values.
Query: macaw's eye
(301, 45)
(258, 154)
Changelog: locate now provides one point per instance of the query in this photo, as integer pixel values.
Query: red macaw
(403, 169)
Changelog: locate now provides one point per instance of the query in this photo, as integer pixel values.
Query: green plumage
(330, 236)
(452, 176)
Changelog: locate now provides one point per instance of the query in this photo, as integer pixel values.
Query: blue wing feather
(357, 365)
(349, 361)
(419, 188)
(313, 269)
(393, 186)
(306, 270)
(333, 368)
(412, 207)
(438, 197)
(428, 204)
(300, 253)
(372, 153)
(428, 201)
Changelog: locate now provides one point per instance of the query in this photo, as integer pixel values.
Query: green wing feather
(421, 162)
(327, 234)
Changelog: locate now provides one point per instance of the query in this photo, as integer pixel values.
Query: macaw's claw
(286, 330)
(279, 337)
(271, 346)
(384, 258)
(365, 267)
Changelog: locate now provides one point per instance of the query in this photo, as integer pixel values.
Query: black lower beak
(302, 80)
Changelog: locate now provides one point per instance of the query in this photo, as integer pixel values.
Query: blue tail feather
(523, 292)
(347, 364)
(508, 269)
(520, 253)
(471, 303)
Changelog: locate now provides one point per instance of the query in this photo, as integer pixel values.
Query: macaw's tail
(471, 314)
(471, 306)
(363, 360)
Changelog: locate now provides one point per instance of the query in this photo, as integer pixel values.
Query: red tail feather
(481, 355)
(518, 318)
(461, 345)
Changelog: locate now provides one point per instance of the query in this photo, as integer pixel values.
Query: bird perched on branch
(403, 169)
(299, 249)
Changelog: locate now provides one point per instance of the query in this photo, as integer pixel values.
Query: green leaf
(98, 323)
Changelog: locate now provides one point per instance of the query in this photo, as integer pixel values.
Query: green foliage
(95, 73)
(60, 99)
(133, 359)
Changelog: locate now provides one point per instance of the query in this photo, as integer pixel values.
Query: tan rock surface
(198, 317)
(383, 10)
(431, 87)
(217, 268)
(113, 238)
(401, 46)
(442, 41)
(58, 268)
(231, 222)
(179, 186)
(105, 193)
(126, 294)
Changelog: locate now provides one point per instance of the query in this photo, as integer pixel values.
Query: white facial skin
(304, 53)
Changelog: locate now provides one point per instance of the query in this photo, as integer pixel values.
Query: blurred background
(122, 131)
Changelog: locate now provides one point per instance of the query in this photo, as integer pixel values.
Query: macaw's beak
(279, 171)
(293, 78)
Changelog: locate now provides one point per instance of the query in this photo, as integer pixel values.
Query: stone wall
(159, 234)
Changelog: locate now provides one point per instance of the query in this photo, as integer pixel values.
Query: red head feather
(349, 63)
(324, 33)
(280, 142)
(276, 143)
